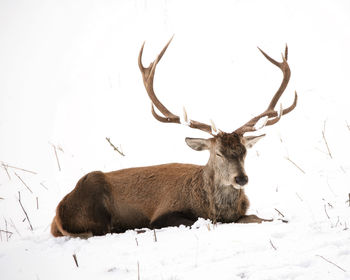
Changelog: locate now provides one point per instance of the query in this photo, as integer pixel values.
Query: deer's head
(227, 150)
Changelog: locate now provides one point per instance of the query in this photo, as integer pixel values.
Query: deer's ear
(198, 144)
(250, 141)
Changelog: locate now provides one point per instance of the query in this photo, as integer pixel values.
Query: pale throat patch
(234, 186)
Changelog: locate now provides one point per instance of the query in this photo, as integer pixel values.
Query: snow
(69, 79)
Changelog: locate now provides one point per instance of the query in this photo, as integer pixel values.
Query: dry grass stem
(208, 227)
(7, 236)
(155, 235)
(23, 183)
(297, 166)
(18, 168)
(114, 147)
(20, 203)
(14, 226)
(137, 243)
(325, 140)
(299, 197)
(325, 210)
(58, 162)
(7, 172)
(75, 260)
(138, 270)
(347, 125)
(8, 233)
(331, 262)
(273, 246)
(37, 203)
(279, 212)
(42, 184)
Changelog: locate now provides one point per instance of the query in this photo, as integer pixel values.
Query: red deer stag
(170, 194)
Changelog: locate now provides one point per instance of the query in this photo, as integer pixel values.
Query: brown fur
(155, 196)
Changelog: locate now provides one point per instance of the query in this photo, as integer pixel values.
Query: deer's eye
(219, 155)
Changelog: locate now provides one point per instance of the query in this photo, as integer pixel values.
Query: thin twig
(18, 168)
(349, 199)
(114, 147)
(138, 270)
(42, 184)
(208, 227)
(325, 140)
(331, 262)
(37, 203)
(299, 197)
(155, 235)
(287, 158)
(7, 232)
(75, 260)
(137, 243)
(273, 246)
(23, 182)
(7, 236)
(342, 169)
(58, 162)
(338, 221)
(325, 210)
(279, 212)
(20, 203)
(5, 167)
(329, 186)
(14, 226)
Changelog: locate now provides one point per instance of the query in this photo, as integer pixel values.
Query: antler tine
(270, 113)
(148, 77)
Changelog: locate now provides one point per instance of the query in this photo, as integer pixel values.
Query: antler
(272, 115)
(148, 77)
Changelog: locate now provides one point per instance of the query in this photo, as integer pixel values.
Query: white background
(69, 78)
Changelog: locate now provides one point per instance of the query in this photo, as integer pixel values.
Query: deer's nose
(241, 180)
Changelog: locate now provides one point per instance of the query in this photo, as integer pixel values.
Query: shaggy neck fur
(227, 204)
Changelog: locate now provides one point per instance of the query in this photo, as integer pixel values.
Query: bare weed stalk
(18, 168)
(75, 260)
(155, 236)
(279, 212)
(20, 203)
(325, 140)
(325, 210)
(114, 147)
(23, 183)
(8, 234)
(7, 172)
(297, 166)
(138, 271)
(331, 263)
(273, 246)
(55, 151)
(14, 226)
(42, 184)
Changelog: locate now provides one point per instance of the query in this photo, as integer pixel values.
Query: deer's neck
(226, 204)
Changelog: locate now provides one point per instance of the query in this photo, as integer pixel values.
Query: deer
(171, 194)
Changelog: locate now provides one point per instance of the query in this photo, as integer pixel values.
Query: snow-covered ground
(69, 79)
